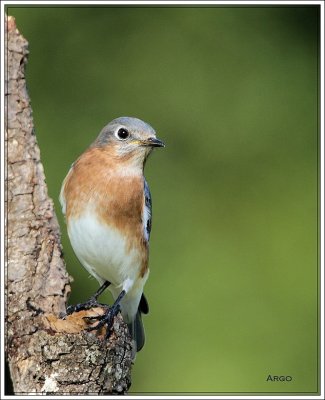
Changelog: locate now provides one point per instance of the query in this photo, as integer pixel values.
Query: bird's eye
(123, 134)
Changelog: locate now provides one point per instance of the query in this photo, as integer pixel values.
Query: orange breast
(97, 180)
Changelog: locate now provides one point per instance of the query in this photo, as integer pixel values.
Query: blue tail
(136, 326)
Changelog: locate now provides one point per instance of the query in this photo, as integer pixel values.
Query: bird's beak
(154, 142)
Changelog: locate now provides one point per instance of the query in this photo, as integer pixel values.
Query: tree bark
(46, 354)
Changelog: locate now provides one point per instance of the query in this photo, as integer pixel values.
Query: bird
(107, 205)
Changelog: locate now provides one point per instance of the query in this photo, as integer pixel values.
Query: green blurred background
(233, 91)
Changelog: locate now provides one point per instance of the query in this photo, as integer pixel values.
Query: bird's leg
(92, 302)
(108, 317)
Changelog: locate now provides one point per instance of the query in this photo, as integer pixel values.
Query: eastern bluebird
(107, 204)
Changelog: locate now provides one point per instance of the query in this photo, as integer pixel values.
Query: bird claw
(91, 303)
(82, 306)
(106, 319)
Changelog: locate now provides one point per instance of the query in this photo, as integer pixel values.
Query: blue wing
(147, 212)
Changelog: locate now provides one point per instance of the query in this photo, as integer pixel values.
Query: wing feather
(147, 212)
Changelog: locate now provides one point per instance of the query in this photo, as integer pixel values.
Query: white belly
(104, 252)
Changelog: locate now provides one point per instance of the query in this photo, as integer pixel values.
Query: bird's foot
(106, 319)
(91, 303)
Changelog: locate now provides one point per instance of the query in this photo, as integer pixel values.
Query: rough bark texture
(45, 354)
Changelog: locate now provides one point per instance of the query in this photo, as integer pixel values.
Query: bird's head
(128, 138)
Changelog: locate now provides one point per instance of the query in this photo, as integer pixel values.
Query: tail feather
(137, 331)
(144, 306)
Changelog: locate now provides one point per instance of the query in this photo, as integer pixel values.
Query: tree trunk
(46, 354)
